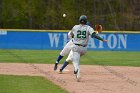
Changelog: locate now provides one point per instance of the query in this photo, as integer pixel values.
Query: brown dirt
(95, 79)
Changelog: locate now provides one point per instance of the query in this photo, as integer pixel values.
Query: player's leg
(76, 60)
(64, 66)
(76, 64)
(69, 58)
(57, 61)
(64, 52)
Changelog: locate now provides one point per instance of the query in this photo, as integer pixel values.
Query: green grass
(27, 84)
(112, 58)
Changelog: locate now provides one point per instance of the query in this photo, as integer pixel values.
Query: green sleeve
(96, 36)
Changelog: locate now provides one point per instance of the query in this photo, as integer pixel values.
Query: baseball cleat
(55, 66)
(60, 71)
(77, 73)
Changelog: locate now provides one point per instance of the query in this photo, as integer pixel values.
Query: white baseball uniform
(66, 49)
(80, 40)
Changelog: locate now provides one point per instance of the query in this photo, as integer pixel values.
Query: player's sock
(59, 58)
(57, 61)
(64, 65)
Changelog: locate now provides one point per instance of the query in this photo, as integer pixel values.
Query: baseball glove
(98, 28)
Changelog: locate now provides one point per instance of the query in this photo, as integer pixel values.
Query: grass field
(112, 58)
(27, 84)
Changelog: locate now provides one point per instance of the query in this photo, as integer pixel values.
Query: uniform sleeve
(70, 34)
(91, 30)
(96, 36)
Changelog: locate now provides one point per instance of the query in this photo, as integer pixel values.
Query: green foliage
(47, 14)
(112, 58)
(27, 84)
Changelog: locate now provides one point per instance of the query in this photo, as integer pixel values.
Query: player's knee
(68, 60)
(64, 53)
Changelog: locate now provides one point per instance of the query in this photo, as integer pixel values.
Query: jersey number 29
(81, 34)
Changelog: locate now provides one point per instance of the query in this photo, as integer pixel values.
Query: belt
(81, 45)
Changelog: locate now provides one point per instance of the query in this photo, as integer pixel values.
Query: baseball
(64, 15)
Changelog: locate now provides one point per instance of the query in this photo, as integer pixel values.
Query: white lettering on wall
(101, 42)
(112, 41)
(91, 43)
(65, 35)
(122, 39)
(54, 39)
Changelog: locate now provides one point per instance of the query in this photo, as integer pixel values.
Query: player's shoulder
(85, 26)
(82, 25)
(88, 27)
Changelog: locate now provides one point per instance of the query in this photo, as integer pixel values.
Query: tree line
(47, 14)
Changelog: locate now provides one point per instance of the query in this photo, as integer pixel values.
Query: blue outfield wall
(10, 39)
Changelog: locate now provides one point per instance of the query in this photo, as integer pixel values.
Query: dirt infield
(95, 79)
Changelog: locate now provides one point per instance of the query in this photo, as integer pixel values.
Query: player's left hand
(98, 28)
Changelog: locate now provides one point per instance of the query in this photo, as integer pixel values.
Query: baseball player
(80, 34)
(66, 50)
